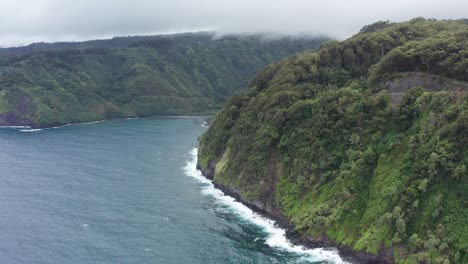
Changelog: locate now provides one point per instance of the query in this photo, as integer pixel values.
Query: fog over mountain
(26, 21)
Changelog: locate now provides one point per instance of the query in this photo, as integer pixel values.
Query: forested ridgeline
(361, 144)
(47, 84)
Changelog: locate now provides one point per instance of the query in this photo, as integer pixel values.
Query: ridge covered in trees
(320, 139)
(48, 84)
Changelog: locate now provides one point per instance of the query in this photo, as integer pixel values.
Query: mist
(26, 21)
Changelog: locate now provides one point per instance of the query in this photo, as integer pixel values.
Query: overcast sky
(26, 21)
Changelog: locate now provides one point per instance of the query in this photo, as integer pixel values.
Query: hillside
(362, 144)
(184, 74)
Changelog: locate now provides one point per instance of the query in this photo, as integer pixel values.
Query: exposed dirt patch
(398, 87)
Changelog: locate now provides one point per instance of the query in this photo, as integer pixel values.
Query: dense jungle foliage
(319, 138)
(183, 74)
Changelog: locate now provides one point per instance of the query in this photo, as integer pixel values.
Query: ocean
(126, 191)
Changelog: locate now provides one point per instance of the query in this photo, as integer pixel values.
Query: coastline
(32, 127)
(347, 254)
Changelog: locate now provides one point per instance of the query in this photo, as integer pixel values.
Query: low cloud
(26, 21)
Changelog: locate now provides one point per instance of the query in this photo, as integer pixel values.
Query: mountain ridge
(319, 140)
(132, 77)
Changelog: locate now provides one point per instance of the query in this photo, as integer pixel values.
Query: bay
(126, 191)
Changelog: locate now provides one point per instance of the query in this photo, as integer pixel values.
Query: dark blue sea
(126, 191)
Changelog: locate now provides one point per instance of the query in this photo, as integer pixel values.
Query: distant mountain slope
(59, 83)
(362, 144)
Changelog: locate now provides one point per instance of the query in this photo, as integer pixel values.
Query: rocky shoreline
(346, 253)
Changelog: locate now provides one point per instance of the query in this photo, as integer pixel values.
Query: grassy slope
(348, 164)
(182, 74)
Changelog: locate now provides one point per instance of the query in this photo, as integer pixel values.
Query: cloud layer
(26, 21)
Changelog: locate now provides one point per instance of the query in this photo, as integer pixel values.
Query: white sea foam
(90, 123)
(31, 130)
(28, 128)
(79, 124)
(276, 236)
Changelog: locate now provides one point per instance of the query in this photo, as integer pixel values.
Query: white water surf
(31, 130)
(276, 235)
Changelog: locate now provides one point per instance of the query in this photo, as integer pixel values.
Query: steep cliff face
(319, 140)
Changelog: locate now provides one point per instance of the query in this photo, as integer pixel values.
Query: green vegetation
(52, 84)
(322, 139)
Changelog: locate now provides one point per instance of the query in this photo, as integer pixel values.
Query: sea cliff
(361, 144)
